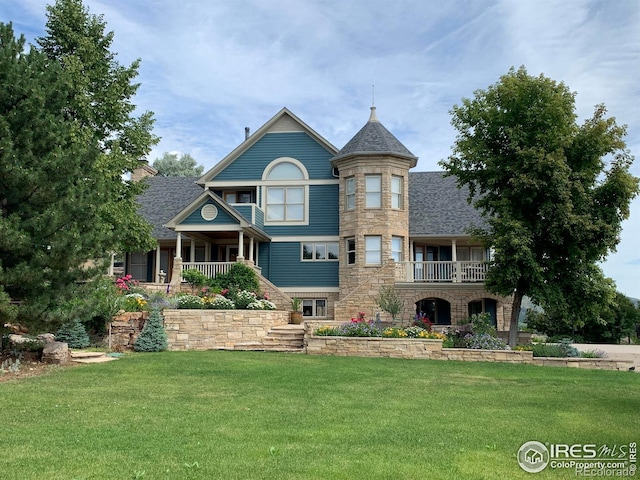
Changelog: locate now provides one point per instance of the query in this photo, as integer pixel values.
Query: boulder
(46, 337)
(56, 353)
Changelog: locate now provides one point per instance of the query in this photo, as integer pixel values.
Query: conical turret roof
(374, 139)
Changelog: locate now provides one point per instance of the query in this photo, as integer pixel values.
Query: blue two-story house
(329, 226)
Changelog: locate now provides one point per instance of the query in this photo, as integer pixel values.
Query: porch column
(410, 272)
(240, 246)
(251, 248)
(454, 259)
(179, 246)
(157, 269)
(113, 259)
(207, 252)
(192, 252)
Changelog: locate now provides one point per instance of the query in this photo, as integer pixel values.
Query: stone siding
(206, 329)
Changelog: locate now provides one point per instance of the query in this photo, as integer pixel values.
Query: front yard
(250, 415)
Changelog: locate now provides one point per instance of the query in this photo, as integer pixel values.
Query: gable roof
(240, 222)
(437, 207)
(164, 198)
(375, 139)
(283, 121)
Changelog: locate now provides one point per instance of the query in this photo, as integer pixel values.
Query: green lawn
(246, 415)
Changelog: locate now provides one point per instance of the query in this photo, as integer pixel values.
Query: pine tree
(153, 337)
(67, 137)
(74, 334)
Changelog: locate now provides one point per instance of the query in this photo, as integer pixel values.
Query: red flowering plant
(362, 317)
(126, 284)
(133, 297)
(422, 320)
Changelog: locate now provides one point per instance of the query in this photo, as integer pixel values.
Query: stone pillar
(176, 273)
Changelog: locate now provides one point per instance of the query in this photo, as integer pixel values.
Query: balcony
(441, 272)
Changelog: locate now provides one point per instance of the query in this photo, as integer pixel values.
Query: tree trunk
(515, 316)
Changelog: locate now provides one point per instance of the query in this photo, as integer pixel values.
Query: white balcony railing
(210, 269)
(439, 272)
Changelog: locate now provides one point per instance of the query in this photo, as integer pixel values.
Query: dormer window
(286, 197)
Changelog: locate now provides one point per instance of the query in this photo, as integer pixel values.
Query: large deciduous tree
(174, 165)
(68, 137)
(554, 193)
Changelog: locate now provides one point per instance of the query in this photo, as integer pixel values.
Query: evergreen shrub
(153, 337)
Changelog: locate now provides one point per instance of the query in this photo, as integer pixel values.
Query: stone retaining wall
(432, 349)
(205, 329)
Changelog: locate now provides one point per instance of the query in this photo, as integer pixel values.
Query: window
(350, 200)
(396, 192)
(138, 265)
(373, 250)
(314, 307)
(285, 204)
(320, 251)
(351, 251)
(373, 191)
(239, 197)
(396, 248)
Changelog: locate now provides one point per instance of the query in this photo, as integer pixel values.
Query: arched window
(285, 202)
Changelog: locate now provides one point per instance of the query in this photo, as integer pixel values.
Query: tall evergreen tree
(553, 204)
(67, 139)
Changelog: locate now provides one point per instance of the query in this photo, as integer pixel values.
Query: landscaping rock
(47, 338)
(18, 339)
(56, 353)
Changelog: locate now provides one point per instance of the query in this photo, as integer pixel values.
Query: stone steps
(90, 357)
(281, 338)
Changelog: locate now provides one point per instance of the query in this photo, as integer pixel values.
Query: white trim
(208, 228)
(274, 163)
(310, 289)
(302, 239)
(259, 183)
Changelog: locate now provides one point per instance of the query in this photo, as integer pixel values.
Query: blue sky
(212, 67)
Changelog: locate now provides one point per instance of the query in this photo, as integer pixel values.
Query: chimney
(143, 170)
(246, 133)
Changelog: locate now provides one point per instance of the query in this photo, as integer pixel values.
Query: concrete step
(90, 357)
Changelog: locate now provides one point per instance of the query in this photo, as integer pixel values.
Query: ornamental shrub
(243, 298)
(484, 341)
(261, 305)
(74, 334)
(218, 302)
(153, 337)
(189, 302)
(238, 277)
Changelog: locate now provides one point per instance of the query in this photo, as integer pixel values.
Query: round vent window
(209, 212)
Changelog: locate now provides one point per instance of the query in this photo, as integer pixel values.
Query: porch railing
(441, 272)
(210, 269)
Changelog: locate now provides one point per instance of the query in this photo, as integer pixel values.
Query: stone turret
(374, 213)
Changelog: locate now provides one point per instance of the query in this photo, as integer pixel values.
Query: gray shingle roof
(374, 138)
(438, 207)
(163, 199)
